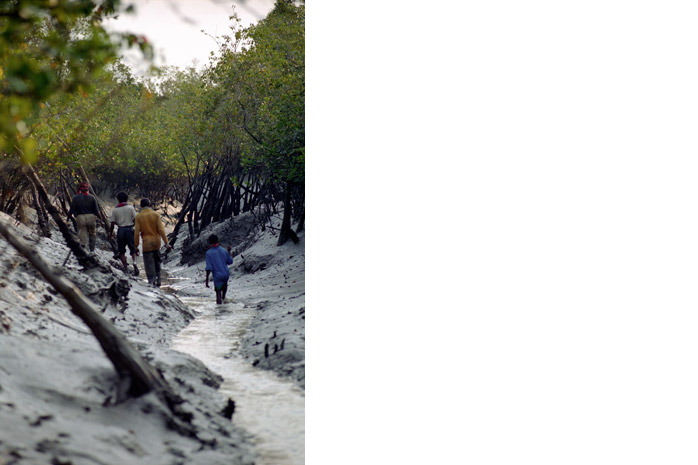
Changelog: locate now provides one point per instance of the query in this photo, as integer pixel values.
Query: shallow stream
(267, 406)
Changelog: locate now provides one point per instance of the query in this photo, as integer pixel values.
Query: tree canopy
(49, 47)
(221, 140)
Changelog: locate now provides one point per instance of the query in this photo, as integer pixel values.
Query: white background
(502, 258)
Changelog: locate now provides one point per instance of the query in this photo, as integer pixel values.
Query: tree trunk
(41, 216)
(301, 223)
(172, 238)
(190, 224)
(68, 198)
(286, 231)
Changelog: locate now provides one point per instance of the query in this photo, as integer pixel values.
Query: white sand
(55, 379)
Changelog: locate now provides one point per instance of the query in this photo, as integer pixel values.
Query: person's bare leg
(135, 268)
(218, 297)
(225, 291)
(122, 257)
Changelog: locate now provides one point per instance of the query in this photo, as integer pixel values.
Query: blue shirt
(217, 261)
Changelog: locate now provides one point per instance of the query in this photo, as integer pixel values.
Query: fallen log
(136, 376)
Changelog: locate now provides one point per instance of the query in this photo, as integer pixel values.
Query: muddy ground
(57, 386)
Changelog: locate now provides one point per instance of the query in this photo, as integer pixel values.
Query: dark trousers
(151, 262)
(124, 238)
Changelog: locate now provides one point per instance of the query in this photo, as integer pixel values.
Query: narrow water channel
(267, 406)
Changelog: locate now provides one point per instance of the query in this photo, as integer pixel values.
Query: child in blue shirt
(217, 261)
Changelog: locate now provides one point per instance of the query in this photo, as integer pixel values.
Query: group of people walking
(144, 228)
(133, 228)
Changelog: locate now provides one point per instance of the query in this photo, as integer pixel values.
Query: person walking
(217, 261)
(84, 207)
(149, 227)
(124, 216)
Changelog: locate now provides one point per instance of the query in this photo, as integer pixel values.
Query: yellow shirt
(149, 225)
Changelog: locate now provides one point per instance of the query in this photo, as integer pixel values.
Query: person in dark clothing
(84, 207)
(124, 216)
(217, 261)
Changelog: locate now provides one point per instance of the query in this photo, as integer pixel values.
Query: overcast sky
(174, 27)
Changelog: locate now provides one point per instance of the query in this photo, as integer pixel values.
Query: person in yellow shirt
(149, 227)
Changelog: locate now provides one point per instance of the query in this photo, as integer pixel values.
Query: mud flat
(57, 386)
(265, 277)
(255, 340)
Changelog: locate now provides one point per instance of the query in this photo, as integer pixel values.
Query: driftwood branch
(136, 376)
(127, 361)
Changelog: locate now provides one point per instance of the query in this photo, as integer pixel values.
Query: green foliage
(50, 47)
(135, 134)
(66, 100)
(260, 79)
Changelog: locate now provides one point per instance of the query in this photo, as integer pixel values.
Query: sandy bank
(264, 276)
(56, 384)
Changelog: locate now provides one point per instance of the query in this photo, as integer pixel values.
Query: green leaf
(29, 152)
